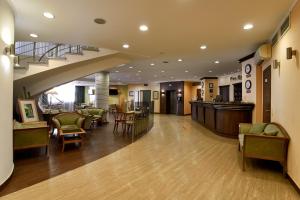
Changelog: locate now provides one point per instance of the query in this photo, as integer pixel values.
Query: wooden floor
(32, 166)
(177, 159)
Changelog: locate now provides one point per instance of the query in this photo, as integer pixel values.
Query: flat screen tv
(113, 92)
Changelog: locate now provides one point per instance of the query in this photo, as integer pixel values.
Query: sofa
(31, 135)
(264, 141)
(97, 115)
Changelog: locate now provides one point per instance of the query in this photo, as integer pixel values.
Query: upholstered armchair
(264, 141)
(93, 115)
(69, 127)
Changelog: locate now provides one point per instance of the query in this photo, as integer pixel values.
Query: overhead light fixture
(130, 67)
(248, 26)
(162, 71)
(186, 71)
(100, 21)
(203, 47)
(171, 77)
(179, 60)
(126, 46)
(144, 28)
(152, 64)
(33, 35)
(210, 71)
(217, 62)
(48, 15)
(139, 71)
(117, 71)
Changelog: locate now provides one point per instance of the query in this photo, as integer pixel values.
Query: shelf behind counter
(222, 118)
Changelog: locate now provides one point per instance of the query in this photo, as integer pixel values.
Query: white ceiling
(177, 28)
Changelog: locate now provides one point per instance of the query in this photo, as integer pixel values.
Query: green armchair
(69, 127)
(97, 115)
(264, 141)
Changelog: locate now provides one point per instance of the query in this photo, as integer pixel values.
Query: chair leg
(243, 160)
(63, 144)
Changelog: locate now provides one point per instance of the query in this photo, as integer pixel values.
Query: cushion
(272, 130)
(257, 128)
(241, 139)
(68, 119)
(85, 112)
(70, 128)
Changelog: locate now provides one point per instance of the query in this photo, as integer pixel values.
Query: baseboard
(187, 114)
(293, 183)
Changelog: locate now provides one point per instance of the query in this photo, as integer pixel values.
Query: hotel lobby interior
(146, 99)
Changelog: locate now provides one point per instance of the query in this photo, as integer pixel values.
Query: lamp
(162, 92)
(290, 53)
(9, 50)
(276, 64)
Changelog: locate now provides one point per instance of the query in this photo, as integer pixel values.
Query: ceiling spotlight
(144, 28)
(126, 46)
(248, 26)
(117, 71)
(48, 15)
(130, 67)
(210, 71)
(34, 35)
(162, 71)
(155, 75)
(186, 71)
(217, 62)
(152, 64)
(179, 60)
(171, 77)
(122, 65)
(203, 47)
(139, 71)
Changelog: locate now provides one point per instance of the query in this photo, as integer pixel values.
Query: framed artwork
(211, 85)
(28, 110)
(211, 90)
(131, 93)
(155, 95)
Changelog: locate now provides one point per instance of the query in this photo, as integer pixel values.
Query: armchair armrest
(244, 128)
(80, 121)
(56, 123)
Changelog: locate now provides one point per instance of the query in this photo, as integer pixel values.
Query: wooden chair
(129, 124)
(119, 120)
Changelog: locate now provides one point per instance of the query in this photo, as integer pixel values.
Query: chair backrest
(130, 116)
(67, 118)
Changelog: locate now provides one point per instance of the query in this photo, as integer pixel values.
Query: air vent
(285, 26)
(275, 39)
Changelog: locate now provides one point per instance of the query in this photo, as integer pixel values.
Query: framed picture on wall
(131, 93)
(28, 110)
(155, 95)
(211, 85)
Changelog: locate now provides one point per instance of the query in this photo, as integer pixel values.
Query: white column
(6, 87)
(102, 90)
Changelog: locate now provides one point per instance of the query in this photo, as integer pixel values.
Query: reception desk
(222, 118)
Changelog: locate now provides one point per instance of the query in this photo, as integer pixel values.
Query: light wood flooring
(177, 159)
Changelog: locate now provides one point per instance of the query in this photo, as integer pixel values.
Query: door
(267, 95)
(146, 96)
(224, 92)
(171, 102)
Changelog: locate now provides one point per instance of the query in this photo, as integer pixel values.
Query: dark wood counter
(222, 118)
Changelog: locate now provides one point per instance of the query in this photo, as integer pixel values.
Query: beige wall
(152, 87)
(286, 93)
(121, 98)
(207, 95)
(6, 88)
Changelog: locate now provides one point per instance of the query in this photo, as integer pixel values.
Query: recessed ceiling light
(203, 47)
(144, 28)
(155, 75)
(34, 35)
(130, 67)
(248, 26)
(48, 15)
(179, 60)
(139, 71)
(126, 46)
(210, 71)
(117, 71)
(122, 65)
(162, 71)
(186, 71)
(152, 64)
(217, 62)
(171, 77)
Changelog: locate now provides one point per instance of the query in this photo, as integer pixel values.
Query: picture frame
(131, 93)
(155, 95)
(211, 85)
(28, 110)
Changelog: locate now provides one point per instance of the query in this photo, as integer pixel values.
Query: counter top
(223, 103)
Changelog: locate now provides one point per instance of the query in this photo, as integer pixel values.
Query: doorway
(267, 95)
(171, 102)
(224, 92)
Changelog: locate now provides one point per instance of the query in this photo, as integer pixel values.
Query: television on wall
(113, 92)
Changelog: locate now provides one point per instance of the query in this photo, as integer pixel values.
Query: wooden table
(71, 137)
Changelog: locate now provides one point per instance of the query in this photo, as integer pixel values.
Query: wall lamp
(162, 92)
(290, 53)
(9, 50)
(276, 64)
(179, 93)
